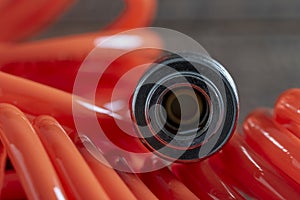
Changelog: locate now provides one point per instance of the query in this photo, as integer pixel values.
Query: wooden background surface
(258, 40)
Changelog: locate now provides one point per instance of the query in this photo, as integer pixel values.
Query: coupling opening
(185, 107)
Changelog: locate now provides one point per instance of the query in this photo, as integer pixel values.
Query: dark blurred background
(258, 41)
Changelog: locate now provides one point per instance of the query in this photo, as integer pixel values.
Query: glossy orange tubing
(55, 62)
(137, 187)
(276, 144)
(28, 156)
(76, 176)
(59, 58)
(106, 176)
(28, 16)
(36, 99)
(70, 48)
(287, 110)
(250, 173)
(204, 182)
(165, 185)
(31, 16)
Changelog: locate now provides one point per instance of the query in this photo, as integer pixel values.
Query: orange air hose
(36, 173)
(165, 185)
(262, 163)
(108, 177)
(287, 111)
(28, 16)
(32, 16)
(273, 142)
(75, 175)
(137, 187)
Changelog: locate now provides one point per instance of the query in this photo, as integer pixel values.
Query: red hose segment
(204, 182)
(106, 176)
(49, 101)
(28, 16)
(31, 16)
(77, 178)
(287, 110)
(251, 174)
(55, 62)
(28, 156)
(263, 163)
(137, 187)
(36, 99)
(276, 144)
(165, 185)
